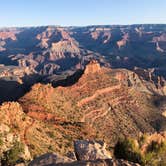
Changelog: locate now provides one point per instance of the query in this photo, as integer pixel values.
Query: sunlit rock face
(92, 67)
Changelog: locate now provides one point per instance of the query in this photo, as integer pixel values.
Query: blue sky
(80, 12)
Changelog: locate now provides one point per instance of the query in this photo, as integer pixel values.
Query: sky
(80, 12)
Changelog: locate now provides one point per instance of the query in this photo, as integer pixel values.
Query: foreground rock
(49, 159)
(91, 150)
(54, 160)
(88, 153)
(106, 162)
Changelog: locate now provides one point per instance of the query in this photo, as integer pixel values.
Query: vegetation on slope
(146, 150)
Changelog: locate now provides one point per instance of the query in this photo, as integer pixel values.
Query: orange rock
(92, 67)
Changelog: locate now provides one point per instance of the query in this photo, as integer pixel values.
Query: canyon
(94, 83)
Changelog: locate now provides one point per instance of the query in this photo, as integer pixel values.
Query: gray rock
(49, 159)
(91, 150)
(106, 162)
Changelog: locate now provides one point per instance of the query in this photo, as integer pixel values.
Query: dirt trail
(103, 113)
(94, 114)
(44, 116)
(99, 113)
(116, 101)
(96, 94)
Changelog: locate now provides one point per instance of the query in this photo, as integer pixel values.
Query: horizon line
(88, 25)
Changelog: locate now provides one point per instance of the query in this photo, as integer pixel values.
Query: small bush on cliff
(154, 154)
(1, 141)
(12, 156)
(127, 149)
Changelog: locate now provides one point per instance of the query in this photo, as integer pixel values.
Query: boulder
(49, 159)
(26, 153)
(91, 150)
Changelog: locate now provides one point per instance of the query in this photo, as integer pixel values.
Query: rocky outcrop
(7, 35)
(149, 79)
(8, 139)
(91, 150)
(123, 41)
(104, 33)
(92, 67)
(49, 159)
(65, 46)
(161, 38)
(11, 113)
(158, 48)
(15, 72)
(2, 43)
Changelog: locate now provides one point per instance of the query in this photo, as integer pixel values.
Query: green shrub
(50, 134)
(1, 141)
(155, 146)
(127, 149)
(142, 139)
(154, 155)
(12, 156)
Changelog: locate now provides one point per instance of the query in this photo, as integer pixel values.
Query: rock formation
(9, 139)
(92, 67)
(91, 150)
(49, 159)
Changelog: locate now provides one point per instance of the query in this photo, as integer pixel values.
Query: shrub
(12, 156)
(155, 146)
(127, 149)
(142, 139)
(50, 134)
(154, 154)
(1, 141)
